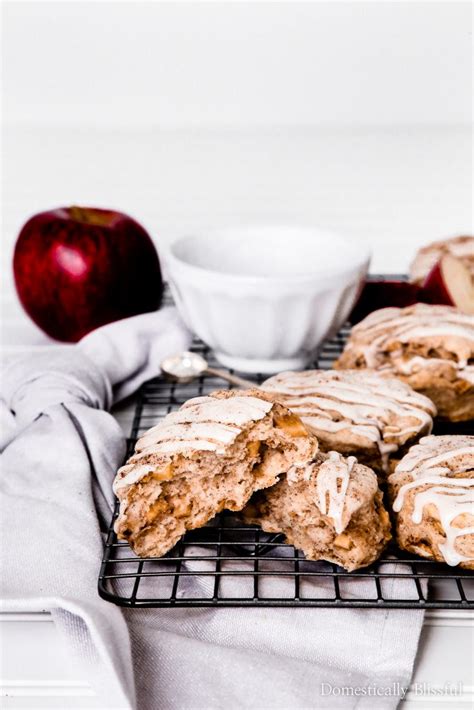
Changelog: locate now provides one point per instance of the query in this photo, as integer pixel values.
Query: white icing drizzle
(206, 424)
(202, 424)
(418, 331)
(130, 474)
(234, 410)
(175, 446)
(370, 405)
(197, 400)
(211, 431)
(331, 488)
(377, 336)
(436, 462)
(467, 374)
(417, 363)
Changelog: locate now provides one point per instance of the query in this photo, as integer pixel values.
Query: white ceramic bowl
(265, 297)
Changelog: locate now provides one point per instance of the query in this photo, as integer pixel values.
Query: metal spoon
(186, 366)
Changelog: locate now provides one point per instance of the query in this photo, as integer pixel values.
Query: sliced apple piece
(449, 283)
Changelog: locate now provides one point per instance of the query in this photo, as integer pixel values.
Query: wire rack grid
(228, 564)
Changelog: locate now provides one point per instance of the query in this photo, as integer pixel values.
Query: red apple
(77, 268)
(449, 283)
(382, 294)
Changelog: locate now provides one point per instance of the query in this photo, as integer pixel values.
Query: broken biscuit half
(331, 509)
(210, 455)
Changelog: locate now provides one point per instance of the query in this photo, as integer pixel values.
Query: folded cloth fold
(106, 366)
(61, 451)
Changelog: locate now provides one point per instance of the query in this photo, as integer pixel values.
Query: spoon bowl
(183, 367)
(186, 366)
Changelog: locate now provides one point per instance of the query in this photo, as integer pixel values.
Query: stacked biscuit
(321, 455)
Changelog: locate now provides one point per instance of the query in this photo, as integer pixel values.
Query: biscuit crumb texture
(331, 509)
(210, 455)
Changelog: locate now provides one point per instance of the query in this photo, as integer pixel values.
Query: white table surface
(395, 188)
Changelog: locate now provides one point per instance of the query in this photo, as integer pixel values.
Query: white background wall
(352, 115)
(238, 63)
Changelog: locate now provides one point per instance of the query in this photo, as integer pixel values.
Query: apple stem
(79, 214)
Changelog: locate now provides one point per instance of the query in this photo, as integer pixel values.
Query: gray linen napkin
(60, 453)
(56, 478)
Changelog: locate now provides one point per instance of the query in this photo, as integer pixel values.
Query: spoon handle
(233, 379)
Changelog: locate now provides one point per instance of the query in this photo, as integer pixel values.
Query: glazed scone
(356, 412)
(331, 509)
(431, 348)
(428, 256)
(432, 494)
(211, 454)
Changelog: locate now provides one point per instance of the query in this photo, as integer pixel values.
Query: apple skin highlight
(79, 268)
(434, 288)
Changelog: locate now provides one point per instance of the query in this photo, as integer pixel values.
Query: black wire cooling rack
(229, 564)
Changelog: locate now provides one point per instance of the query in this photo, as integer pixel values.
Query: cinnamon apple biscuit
(331, 509)
(432, 490)
(358, 412)
(211, 454)
(428, 256)
(431, 348)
